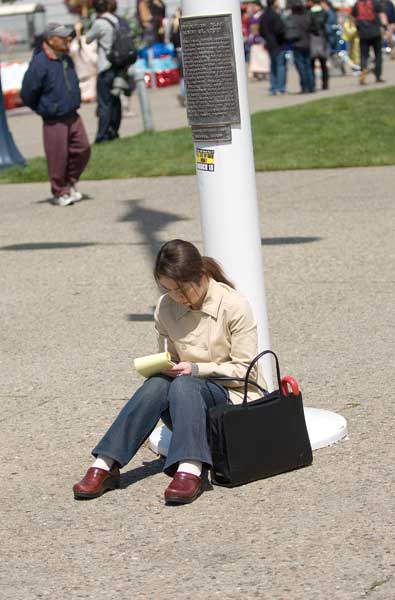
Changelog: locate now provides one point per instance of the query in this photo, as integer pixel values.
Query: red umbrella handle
(289, 381)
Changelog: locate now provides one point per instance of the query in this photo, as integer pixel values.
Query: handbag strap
(241, 379)
(253, 363)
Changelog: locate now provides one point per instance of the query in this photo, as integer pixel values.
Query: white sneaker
(129, 113)
(75, 194)
(64, 200)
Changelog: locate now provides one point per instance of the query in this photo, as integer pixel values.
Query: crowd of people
(310, 32)
(307, 30)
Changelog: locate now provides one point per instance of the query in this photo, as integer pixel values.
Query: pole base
(159, 440)
(324, 428)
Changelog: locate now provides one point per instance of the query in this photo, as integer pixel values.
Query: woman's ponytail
(214, 270)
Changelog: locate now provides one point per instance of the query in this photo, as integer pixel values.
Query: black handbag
(258, 439)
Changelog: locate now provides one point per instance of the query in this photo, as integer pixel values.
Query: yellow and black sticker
(205, 159)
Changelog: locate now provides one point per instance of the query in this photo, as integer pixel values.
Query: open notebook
(153, 364)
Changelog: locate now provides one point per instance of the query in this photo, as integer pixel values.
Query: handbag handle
(241, 379)
(253, 363)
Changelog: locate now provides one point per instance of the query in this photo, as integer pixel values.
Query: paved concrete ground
(167, 114)
(76, 303)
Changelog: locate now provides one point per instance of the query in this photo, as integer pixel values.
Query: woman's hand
(181, 368)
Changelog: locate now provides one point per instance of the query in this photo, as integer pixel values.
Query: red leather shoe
(96, 482)
(183, 489)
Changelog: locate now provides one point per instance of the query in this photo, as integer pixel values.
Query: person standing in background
(259, 62)
(109, 108)
(369, 18)
(389, 11)
(319, 42)
(298, 34)
(50, 87)
(84, 57)
(330, 26)
(124, 83)
(350, 35)
(272, 29)
(150, 14)
(175, 39)
(158, 11)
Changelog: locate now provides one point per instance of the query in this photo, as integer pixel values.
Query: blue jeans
(278, 72)
(303, 66)
(109, 109)
(182, 403)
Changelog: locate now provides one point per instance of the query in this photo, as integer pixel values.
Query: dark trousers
(365, 45)
(303, 66)
(182, 403)
(324, 71)
(67, 150)
(109, 109)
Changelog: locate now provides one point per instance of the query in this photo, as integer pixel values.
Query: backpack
(123, 52)
(365, 11)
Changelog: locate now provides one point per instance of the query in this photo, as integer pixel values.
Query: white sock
(103, 462)
(191, 466)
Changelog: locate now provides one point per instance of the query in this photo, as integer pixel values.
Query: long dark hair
(182, 261)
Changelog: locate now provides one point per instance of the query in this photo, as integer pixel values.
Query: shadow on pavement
(48, 246)
(279, 241)
(151, 243)
(150, 223)
(143, 318)
(50, 200)
(148, 469)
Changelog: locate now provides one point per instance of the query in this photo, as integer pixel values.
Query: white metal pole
(230, 222)
(228, 198)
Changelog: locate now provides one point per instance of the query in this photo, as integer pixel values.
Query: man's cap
(56, 29)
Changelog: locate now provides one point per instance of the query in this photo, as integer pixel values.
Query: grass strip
(347, 131)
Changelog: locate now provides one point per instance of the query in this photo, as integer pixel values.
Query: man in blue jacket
(50, 88)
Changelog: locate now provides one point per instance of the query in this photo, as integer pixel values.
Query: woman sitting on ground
(210, 331)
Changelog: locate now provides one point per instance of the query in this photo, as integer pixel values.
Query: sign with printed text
(205, 159)
(209, 67)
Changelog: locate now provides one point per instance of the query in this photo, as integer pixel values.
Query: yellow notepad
(153, 364)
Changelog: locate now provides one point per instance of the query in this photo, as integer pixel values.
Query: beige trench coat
(221, 337)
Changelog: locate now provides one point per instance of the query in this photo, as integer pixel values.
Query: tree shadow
(148, 469)
(150, 223)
